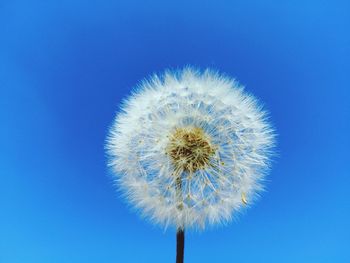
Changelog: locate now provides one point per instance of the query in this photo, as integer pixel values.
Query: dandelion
(190, 149)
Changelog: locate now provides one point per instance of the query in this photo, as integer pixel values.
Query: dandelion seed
(244, 199)
(189, 148)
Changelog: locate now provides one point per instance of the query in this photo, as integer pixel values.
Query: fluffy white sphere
(190, 148)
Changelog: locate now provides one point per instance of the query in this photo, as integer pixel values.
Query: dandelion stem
(180, 233)
(180, 244)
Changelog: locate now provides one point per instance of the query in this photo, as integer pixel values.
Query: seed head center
(190, 149)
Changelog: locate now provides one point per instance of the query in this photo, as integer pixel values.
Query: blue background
(66, 65)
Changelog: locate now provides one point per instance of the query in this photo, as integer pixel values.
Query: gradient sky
(64, 68)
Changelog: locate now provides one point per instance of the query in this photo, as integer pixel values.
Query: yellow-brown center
(190, 149)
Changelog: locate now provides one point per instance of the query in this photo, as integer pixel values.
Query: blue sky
(65, 67)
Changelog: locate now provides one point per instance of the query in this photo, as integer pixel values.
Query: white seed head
(190, 148)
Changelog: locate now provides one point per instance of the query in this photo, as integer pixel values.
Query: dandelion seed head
(190, 148)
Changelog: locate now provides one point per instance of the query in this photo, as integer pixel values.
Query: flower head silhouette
(190, 148)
